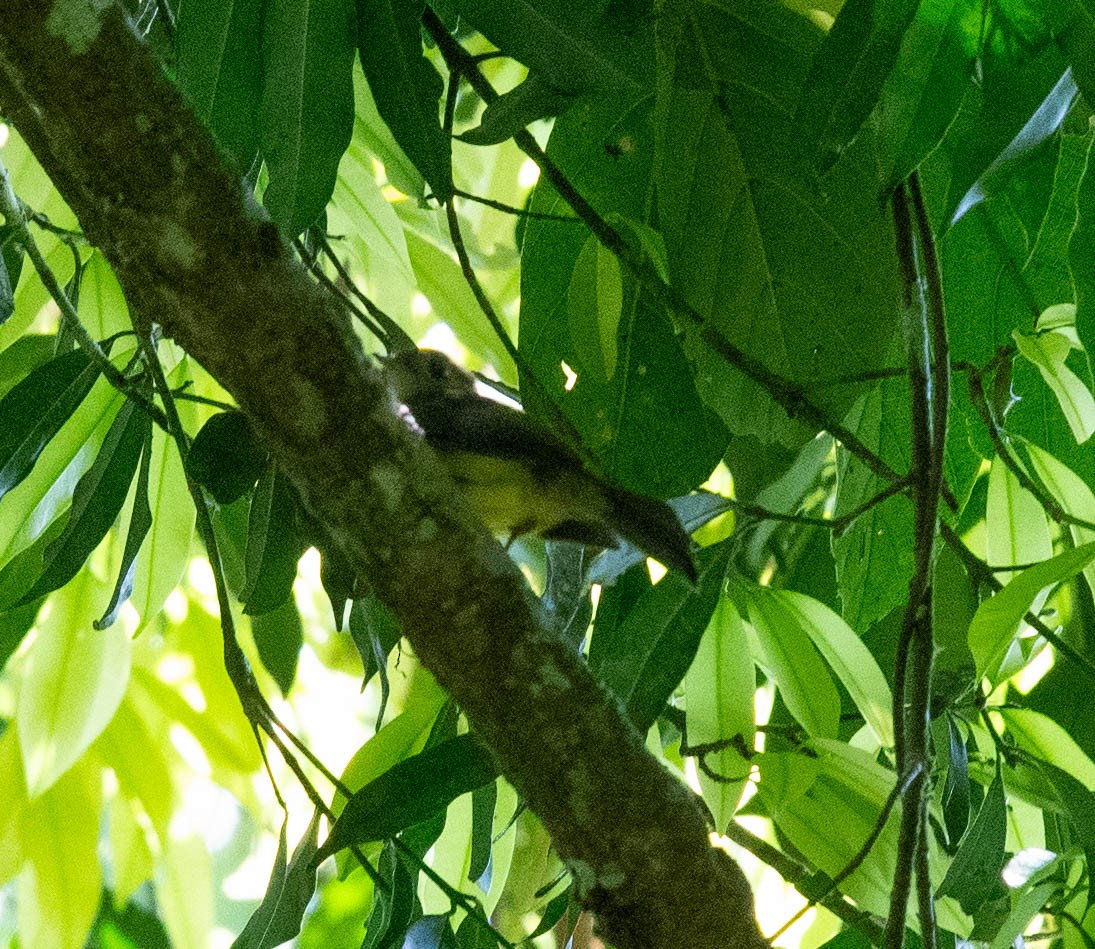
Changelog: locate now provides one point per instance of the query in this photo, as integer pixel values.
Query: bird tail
(652, 526)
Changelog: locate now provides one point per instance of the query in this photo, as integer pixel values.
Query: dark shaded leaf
(375, 632)
(140, 522)
(405, 85)
(956, 788)
(395, 906)
(279, 915)
(133, 926)
(307, 50)
(925, 89)
(848, 73)
(483, 801)
(96, 501)
(973, 877)
(11, 263)
(473, 933)
(219, 57)
(273, 545)
(533, 99)
(278, 636)
(34, 410)
(644, 654)
(573, 47)
(553, 912)
(225, 458)
(410, 792)
(1078, 805)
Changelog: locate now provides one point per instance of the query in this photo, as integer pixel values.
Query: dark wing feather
(485, 427)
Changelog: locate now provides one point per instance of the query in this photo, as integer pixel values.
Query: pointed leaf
(140, 522)
(292, 884)
(405, 85)
(273, 545)
(848, 74)
(307, 110)
(974, 875)
(644, 658)
(789, 656)
(997, 618)
(219, 48)
(96, 501)
(73, 682)
(34, 410)
(411, 791)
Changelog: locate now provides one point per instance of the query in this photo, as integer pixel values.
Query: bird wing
(485, 427)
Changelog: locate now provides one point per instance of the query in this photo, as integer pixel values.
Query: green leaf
(73, 682)
(1077, 803)
(140, 522)
(874, 556)
(973, 877)
(843, 650)
(826, 807)
(997, 618)
(225, 458)
(34, 410)
(848, 73)
(219, 49)
(11, 264)
(96, 501)
(1081, 253)
(292, 884)
(647, 425)
(1016, 531)
(410, 792)
(279, 635)
(1070, 491)
(787, 653)
(573, 47)
(1041, 736)
(956, 787)
(273, 544)
(405, 85)
(372, 132)
(924, 91)
(166, 551)
(533, 99)
(64, 878)
(375, 632)
(595, 305)
(307, 109)
(1048, 352)
(742, 227)
(1017, 74)
(719, 703)
(644, 656)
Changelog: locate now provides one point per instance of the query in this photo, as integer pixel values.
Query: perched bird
(518, 476)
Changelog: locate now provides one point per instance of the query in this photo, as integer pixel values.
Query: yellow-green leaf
(74, 678)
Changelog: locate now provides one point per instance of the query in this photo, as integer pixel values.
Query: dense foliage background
(822, 274)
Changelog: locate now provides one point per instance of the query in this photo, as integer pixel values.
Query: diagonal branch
(193, 255)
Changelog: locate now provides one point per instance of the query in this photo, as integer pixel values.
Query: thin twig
(516, 212)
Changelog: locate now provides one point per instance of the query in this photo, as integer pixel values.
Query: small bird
(518, 476)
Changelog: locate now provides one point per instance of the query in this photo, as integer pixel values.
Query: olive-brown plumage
(518, 476)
